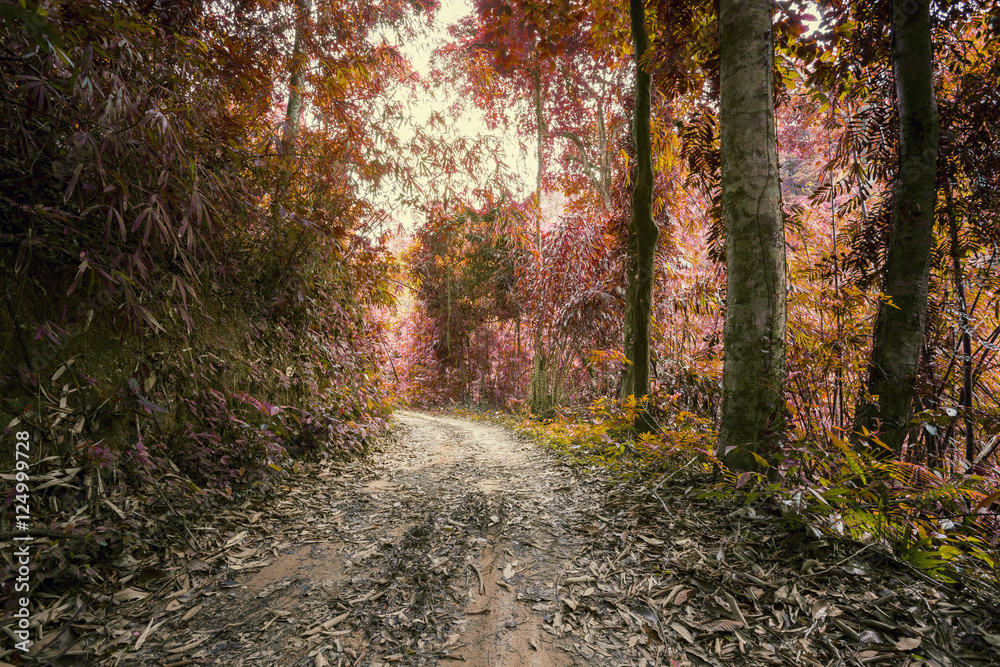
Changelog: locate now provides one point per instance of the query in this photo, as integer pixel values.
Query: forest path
(458, 543)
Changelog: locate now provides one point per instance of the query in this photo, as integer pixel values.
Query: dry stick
(482, 586)
(837, 564)
(985, 347)
(556, 590)
(388, 354)
(985, 453)
(667, 478)
(665, 508)
(164, 498)
(361, 655)
(174, 512)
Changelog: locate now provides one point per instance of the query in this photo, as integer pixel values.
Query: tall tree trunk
(540, 401)
(643, 232)
(964, 326)
(754, 335)
(899, 327)
(293, 111)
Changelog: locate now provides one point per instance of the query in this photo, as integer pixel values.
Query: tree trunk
(540, 401)
(964, 327)
(899, 327)
(754, 334)
(293, 111)
(642, 232)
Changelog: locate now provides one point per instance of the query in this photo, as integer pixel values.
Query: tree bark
(754, 334)
(293, 111)
(643, 232)
(964, 326)
(899, 327)
(541, 399)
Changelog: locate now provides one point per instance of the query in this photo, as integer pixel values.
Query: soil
(460, 543)
(448, 545)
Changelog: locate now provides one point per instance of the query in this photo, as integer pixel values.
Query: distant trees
(462, 266)
(540, 52)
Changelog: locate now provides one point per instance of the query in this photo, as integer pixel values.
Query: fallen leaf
(128, 594)
(870, 637)
(722, 625)
(190, 645)
(189, 614)
(682, 631)
(198, 565)
(236, 538)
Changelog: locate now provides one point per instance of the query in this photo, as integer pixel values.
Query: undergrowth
(942, 523)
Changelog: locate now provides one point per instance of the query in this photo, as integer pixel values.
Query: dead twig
(479, 575)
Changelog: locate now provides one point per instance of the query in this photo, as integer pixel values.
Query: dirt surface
(455, 544)
(460, 543)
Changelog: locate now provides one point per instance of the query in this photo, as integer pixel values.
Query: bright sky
(463, 119)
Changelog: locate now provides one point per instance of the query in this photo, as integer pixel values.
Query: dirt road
(461, 544)
(457, 543)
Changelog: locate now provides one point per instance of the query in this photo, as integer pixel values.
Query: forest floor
(459, 543)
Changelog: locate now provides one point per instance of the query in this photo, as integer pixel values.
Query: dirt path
(457, 543)
(461, 544)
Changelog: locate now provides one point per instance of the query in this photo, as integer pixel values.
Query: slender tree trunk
(837, 411)
(447, 325)
(539, 155)
(517, 335)
(293, 111)
(754, 335)
(643, 232)
(627, 385)
(964, 327)
(899, 327)
(540, 401)
(604, 155)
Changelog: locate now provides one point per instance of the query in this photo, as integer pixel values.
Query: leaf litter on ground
(457, 542)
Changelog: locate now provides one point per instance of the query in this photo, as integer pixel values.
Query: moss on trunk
(899, 325)
(643, 232)
(754, 334)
